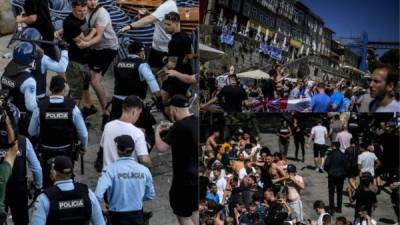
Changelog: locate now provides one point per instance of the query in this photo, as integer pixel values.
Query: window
(254, 13)
(246, 9)
(236, 5)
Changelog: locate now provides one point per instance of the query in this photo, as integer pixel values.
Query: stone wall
(7, 18)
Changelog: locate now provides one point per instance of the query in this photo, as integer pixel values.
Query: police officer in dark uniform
(132, 77)
(17, 78)
(57, 121)
(45, 63)
(66, 203)
(17, 190)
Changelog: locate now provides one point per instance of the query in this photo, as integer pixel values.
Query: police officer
(17, 190)
(66, 202)
(56, 122)
(17, 78)
(45, 63)
(132, 77)
(125, 207)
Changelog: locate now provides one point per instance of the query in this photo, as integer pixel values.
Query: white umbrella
(266, 35)
(255, 74)
(207, 53)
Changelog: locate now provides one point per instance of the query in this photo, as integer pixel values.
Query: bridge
(362, 43)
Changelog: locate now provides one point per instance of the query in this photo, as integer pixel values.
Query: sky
(350, 18)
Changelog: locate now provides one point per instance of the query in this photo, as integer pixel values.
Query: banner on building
(273, 52)
(227, 37)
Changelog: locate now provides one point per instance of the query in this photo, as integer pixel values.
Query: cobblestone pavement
(162, 170)
(317, 186)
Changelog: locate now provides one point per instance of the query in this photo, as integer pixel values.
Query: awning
(207, 53)
(295, 43)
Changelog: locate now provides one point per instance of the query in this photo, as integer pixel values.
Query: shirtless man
(244, 141)
(295, 184)
(211, 142)
(277, 174)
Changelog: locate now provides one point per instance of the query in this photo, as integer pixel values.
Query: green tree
(391, 57)
(303, 71)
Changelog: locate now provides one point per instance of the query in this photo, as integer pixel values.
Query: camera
(13, 113)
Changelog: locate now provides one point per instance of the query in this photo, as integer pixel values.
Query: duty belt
(57, 148)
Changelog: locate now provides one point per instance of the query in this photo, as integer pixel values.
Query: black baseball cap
(135, 47)
(179, 101)
(125, 143)
(57, 83)
(63, 164)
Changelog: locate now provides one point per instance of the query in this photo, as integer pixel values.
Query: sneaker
(105, 120)
(320, 170)
(86, 112)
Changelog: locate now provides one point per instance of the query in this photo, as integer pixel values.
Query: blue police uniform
(48, 64)
(28, 89)
(42, 205)
(77, 119)
(119, 179)
(34, 165)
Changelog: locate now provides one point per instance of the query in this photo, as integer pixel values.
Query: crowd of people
(50, 129)
(245, 181)
(280, 94)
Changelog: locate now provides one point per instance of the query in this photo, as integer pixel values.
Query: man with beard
(383, 86)
(182, 140)
(161, 38)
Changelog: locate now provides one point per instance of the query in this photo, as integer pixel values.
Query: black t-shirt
(43, 24)
(233, 96)
(298, 132)
(180, 46)
(283, 131)
(183, 139)
(366, 198)
(73, 27)
(268, 87)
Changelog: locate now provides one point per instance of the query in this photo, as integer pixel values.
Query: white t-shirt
(160, 37)
(364, 222)
(243, 173)
(221, 186)
(319, 132)
(320, 219)
(367, 162)
(117, 128)
(344, 138)
(394, 106)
